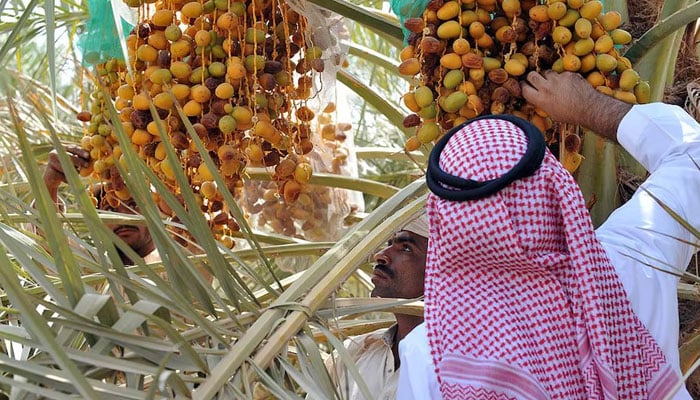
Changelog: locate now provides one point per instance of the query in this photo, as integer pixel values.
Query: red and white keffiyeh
(521, 301)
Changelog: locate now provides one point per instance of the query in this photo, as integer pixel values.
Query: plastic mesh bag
(102, 39)
(405, 9)
(329, 32)
(319, 212)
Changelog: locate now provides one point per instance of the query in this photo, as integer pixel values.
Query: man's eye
(405, 248)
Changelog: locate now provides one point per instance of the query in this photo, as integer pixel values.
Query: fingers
(533, 88)
(551, 74)
(546, 79)
(78, 156)
(81, 160)
(528, 91)
(79, 152)
(550, 78)
(534, 79)
(537, 86)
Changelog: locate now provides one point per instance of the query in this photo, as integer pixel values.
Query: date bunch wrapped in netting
(466, 58)
(251, 84)
(315, 212)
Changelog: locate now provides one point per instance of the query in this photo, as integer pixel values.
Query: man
(398, 273)
(136, 236)
(522, 299)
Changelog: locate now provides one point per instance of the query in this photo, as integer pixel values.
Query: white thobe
(638, 235)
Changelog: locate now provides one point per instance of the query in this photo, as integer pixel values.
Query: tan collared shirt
(372, 354)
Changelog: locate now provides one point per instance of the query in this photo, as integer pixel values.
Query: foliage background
(77, 321)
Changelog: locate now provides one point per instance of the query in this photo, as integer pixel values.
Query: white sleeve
(666, 141)
(417, 378)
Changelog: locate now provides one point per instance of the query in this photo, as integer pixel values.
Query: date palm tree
(76, 321)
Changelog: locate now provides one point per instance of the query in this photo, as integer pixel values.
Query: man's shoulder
(152, 257)
(378, 333)
(377, 338)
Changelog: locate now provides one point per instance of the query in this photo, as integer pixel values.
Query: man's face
(400, 267)
(136, 236)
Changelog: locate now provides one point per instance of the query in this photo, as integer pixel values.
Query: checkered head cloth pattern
(521, 299)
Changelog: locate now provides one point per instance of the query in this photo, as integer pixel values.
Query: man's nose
(382, 257)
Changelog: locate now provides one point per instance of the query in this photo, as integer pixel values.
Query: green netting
(405, 9)
(101, 41)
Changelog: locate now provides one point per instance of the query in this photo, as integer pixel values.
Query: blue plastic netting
(405, 9)
(101, 40)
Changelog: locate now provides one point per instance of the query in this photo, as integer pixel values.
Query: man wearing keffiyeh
(523, 299)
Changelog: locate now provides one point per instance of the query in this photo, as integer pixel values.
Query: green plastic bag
(101, 40)
(405, 9)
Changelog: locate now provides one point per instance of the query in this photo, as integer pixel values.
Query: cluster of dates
(467, 58)
(241, 72)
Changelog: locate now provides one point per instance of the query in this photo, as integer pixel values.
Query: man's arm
(568, 97)
(663, 138)
(644, 242)
(54, 175)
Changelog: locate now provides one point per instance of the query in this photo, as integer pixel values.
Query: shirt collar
(390, 335)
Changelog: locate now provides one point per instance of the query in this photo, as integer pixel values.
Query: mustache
(384, 269)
